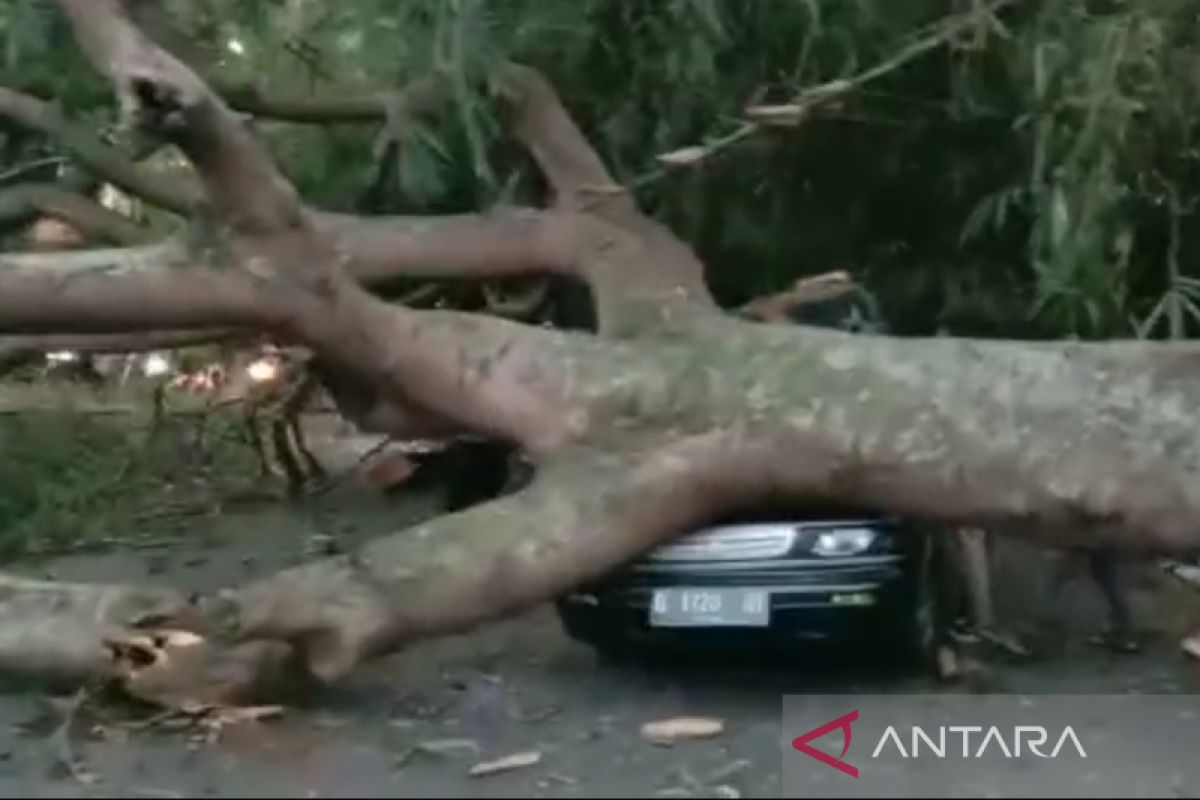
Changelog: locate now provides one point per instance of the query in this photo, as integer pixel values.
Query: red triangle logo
(800, 743)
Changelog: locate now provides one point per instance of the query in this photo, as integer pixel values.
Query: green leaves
(1015, 175)
(421, 166)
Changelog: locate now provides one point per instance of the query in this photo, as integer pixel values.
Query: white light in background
(235, 46)
(262, 370)
(62, 356)
(155, 365)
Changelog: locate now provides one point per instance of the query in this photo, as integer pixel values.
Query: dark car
(774, 577)
(770, 580)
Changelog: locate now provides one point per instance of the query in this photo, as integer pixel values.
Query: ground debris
(162, 794)
(517, 714)
(506, 764)
(442, 748)
(206, 720)
(723, 773)
(686, 784)
(668, 731)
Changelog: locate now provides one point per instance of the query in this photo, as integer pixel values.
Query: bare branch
(246, 191)
(494, 244)
(417, 97)
(97, 157)
(117, 292)
(16, 211)
(779, 307)
(561, 150)
(76, 209)
(285, 272)
(470, 245)
(162, 256)
(486, 245)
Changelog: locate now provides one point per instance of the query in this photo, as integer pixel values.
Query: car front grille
(740, 543)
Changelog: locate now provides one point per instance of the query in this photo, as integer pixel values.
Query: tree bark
(82, 212)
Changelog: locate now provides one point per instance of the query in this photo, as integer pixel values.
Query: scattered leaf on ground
(515, 761)
(669, 731)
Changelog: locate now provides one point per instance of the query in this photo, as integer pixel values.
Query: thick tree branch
(57, 632)
(121, 295)
(82, 212)
(17, 212)
(578, 520)
(494, 244)
(161, 257)
(588, 514)
(568, 160)
(485, 374)
(642, 276)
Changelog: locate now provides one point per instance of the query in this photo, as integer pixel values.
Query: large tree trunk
(674, 413)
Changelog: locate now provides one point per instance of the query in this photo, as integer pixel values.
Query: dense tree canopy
(1034, 177)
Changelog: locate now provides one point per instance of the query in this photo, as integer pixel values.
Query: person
(1104, 570)
(966, 612)
(976, 619)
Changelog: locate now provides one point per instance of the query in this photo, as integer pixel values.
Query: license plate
(675, 608)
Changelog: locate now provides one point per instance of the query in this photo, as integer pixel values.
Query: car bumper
(807, 600)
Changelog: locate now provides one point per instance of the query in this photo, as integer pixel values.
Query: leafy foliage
(1033, 177)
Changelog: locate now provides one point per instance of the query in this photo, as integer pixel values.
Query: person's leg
(975, 562)
(972, 547)
(945, 584)
(1105, 570)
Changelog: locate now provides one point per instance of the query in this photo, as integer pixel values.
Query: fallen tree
(673, 413)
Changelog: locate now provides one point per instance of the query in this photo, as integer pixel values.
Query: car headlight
(846, 542)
